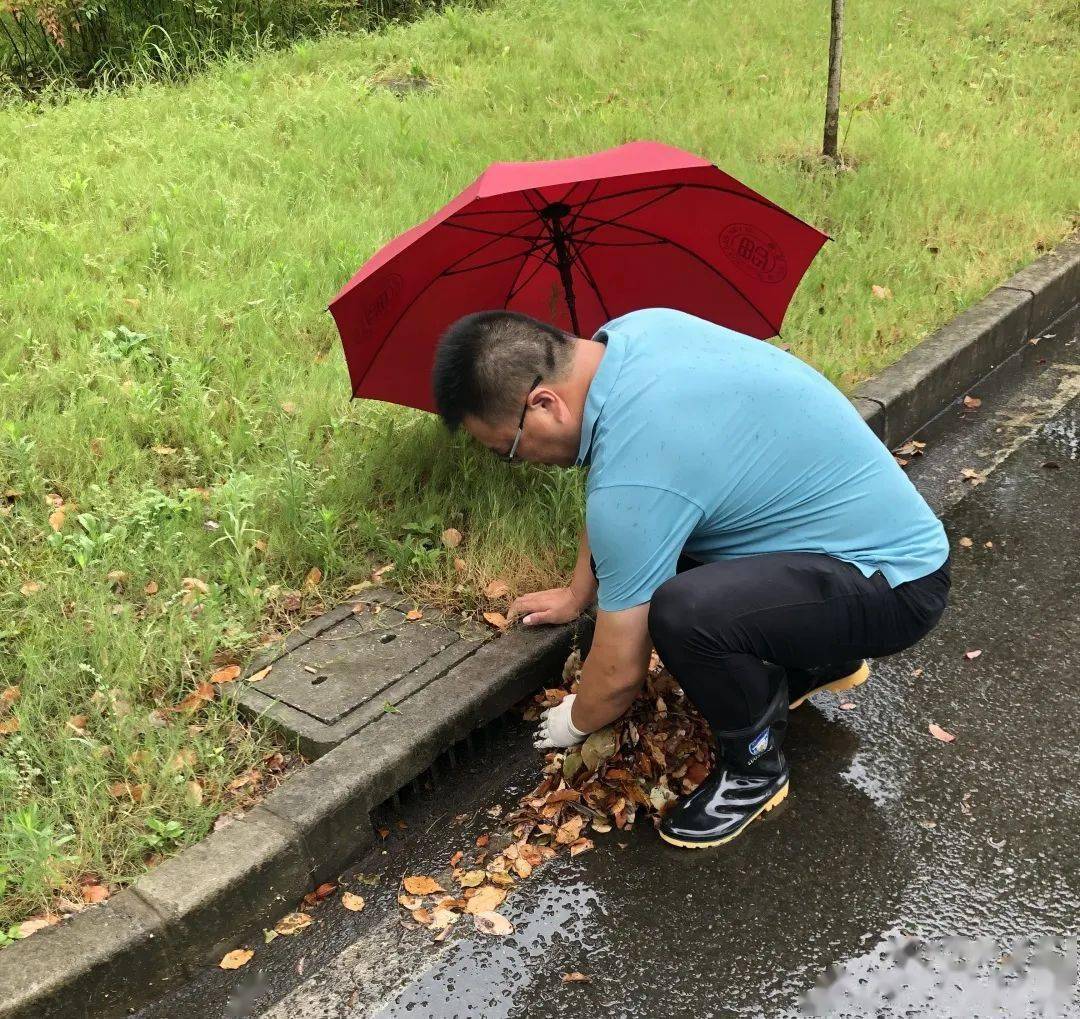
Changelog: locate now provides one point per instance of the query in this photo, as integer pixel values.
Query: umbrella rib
(481, 230)
(589, 278)
(756, 199)
(630, 212)
(708, 265)
(515, 289)
(534, 245)
(585, 242)
(424, 289)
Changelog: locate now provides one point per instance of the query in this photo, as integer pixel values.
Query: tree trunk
(832, 98)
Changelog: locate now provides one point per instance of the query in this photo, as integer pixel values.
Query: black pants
(716, 626)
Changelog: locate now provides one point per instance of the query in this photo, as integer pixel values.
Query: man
(740, 515)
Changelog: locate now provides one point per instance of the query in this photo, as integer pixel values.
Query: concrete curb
(184, 913)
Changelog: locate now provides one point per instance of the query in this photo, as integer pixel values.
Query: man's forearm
(583, 583)
(596, 705)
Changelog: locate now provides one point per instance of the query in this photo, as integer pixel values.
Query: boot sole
(857, 678)
(759, 813)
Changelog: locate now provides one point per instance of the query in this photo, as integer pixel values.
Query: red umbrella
(575, 242)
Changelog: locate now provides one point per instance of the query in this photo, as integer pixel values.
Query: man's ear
(554, 404)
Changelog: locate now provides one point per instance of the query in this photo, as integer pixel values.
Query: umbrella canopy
(574, 242)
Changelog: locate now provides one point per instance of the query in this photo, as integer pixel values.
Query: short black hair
(485, 363)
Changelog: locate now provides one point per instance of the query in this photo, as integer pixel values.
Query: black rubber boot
(802, 683)
(749, 780)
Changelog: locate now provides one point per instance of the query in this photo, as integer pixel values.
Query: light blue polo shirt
(703, 439)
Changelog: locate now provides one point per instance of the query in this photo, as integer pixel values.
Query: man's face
(550, 435)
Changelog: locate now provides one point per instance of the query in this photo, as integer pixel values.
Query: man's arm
(614, 669)
(560, 604)
(610, 679)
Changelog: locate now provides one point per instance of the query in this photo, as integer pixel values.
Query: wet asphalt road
(909, 866)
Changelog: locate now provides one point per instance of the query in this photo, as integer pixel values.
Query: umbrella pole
(553, 215)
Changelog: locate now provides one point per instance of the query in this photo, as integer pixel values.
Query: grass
(166, 255)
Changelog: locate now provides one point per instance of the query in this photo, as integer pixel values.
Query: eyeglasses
(509, 458)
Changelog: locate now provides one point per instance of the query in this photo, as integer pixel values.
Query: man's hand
(556, 731)
(559, 605)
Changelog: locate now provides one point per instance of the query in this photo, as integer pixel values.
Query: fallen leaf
(381, 571)
(10, 695)
(193, 793)
(186, 758)
(314, 578)
(56, 519)
(442, 919)
(848, 706)
(569, 832)
(487, 898)
(472, 879)
(972, 654)
(293, 923)
(917, 673)
(1052, 465)
(456, 858)
(581, 846)
(575, 978)
(482, 840)
(422, 916)
(422, 886)
(261, 674)
(321, 893)
(236, 958)
(497, 589)
(881, 293)
(497, 619)
(163, 450)
(269, 936)
(598, 748)
(151, 588)
(490, 922)
(451, 537)
(972, 402)
(413, 614)
(289, 407)
(226, 675)
(29, 588)
(966, 543)
(410, 902)
(352, 902)
(939, 733)
(78, 724)
(94, 893)
(989, 544)
(459, 565)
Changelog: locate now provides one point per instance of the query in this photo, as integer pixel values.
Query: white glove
(556, 731)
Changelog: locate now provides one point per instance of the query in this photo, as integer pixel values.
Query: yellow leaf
(261, 674)
(472, 879)
(496, 619)
(226, 675)
(352, 902)
(163, 450)
(422, 886)
(487, 898)
(490, 922)
(941, 734)
(292, 923)
(237, 958)
(193, 793)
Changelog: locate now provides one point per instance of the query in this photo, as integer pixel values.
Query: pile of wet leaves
(639, 766)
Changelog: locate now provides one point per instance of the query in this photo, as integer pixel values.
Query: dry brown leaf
(456, 858)
(226, 675)
(496, 619)
(410, 902)
(459, 565)
(575, 978)
(289, 407)
(236, 958)
(186, 758)
(94, 893)
(314, 578)
(10, 695)
(482, 840)
(56, 519)
(972, 654)
(78, 724)
(193, 793)
(451, 537)
(260, 675)
(151, 588)
(422, 885)
(497, 589)
(29, 588)
(939, 733)
(966, 543)
(352, 902)
(377, 574)
(522, 867)
(490, 922)
(414, 614)
(972, 402)
(32, 926)
(848, 705)
(881, 293)
(581, 846)
(570, 831)
(472, 879)
(441, 919)
(293, 923)
(487, 898)
(163, 450)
